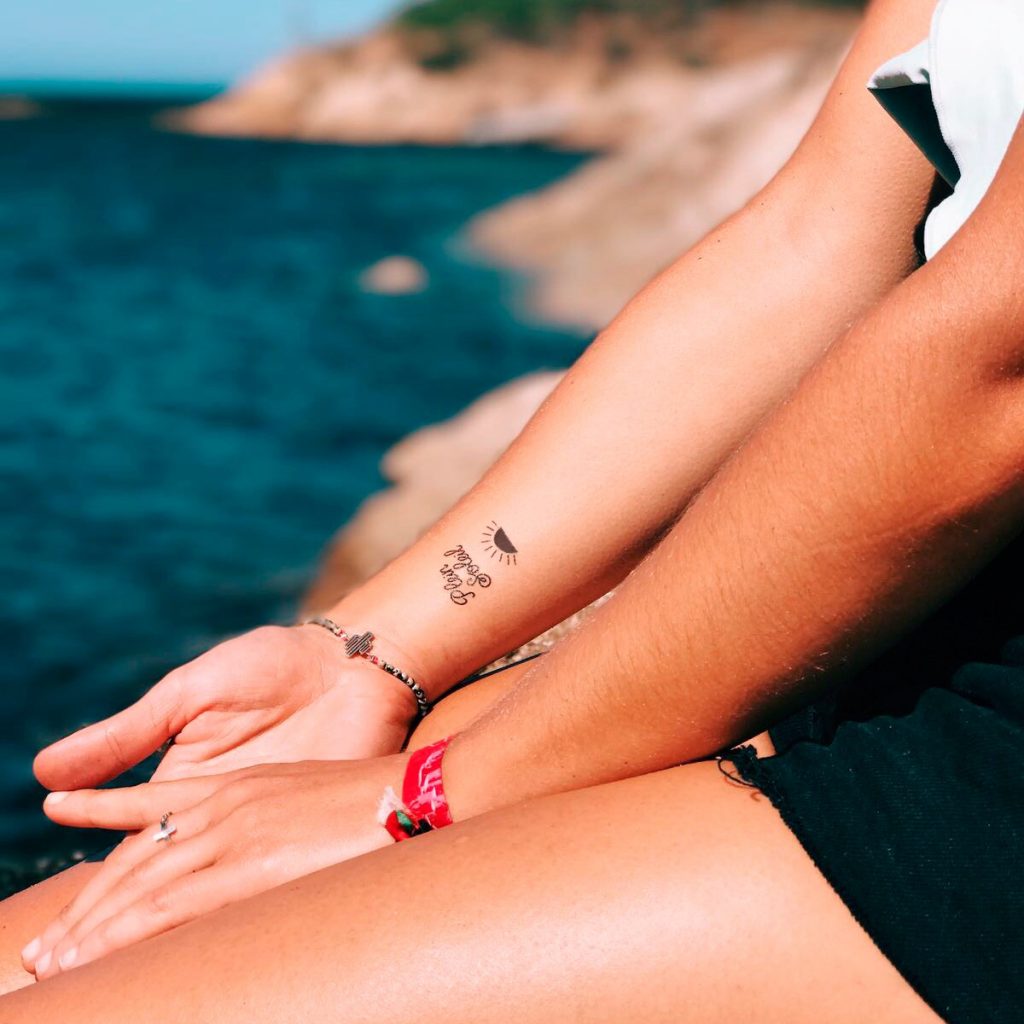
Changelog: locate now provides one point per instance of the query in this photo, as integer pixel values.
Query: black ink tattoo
(461, 574)
(496, 541)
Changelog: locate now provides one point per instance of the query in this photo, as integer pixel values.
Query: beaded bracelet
(361, 645)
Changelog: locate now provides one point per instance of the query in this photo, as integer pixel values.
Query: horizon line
(114, 88)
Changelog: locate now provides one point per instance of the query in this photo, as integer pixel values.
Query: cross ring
(166, 830)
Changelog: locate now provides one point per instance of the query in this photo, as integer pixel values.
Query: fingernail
(30, 951)
(54, 798)
(43, 962)
(68, 958)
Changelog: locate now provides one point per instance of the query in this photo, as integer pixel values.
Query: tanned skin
(863, 500)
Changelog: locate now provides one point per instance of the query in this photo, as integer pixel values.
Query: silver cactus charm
(361, 644)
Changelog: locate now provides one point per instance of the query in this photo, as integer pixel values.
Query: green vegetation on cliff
(537, 20)
(526, 19)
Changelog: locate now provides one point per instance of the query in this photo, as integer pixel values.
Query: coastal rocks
(394, 275)
(593, 240)
(429, 471)
(13, 108)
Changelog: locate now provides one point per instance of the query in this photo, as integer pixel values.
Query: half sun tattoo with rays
(495, 540)
(461, 574)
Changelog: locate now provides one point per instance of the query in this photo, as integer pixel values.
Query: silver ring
(166, 830)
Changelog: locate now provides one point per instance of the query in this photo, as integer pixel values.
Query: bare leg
(678, 897)
(25, 914)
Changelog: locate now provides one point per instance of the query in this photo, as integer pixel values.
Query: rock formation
(394, 275)
(14, 108)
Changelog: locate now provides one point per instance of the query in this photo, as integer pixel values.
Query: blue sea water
(195, 393)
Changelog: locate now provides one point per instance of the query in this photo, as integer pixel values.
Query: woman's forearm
(656, 404)
(669, 390)
(638, 425)
(894, 471)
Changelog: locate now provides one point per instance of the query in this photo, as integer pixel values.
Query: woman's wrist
(411, 638)
(365, 646)
(386, 697)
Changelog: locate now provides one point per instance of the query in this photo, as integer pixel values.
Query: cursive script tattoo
(460, 575)
(495, 540)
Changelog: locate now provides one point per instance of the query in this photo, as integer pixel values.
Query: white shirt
(959, 95)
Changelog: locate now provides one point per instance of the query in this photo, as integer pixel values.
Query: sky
(149, 44)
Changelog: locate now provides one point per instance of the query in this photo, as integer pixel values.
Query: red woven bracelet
(424, 806)
(423, 788)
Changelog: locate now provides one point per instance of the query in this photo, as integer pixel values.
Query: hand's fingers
(102, 751)
(34, 954)
(175, 862)
(33, 951)
(159, 911)
(120, 862)
(130, 808)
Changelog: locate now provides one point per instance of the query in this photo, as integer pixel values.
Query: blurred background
(250, 250)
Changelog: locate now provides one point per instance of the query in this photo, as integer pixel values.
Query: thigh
(675, 898)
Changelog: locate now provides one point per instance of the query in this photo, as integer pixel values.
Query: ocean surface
(195, 393)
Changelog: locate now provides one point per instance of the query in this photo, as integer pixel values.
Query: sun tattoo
(495, 540)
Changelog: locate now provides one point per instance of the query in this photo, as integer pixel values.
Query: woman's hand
(273, 695)
(236, 835)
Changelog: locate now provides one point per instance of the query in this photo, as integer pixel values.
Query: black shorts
(907, 790)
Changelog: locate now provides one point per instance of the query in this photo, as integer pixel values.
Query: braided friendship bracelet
(361, 645)
(424, 806)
